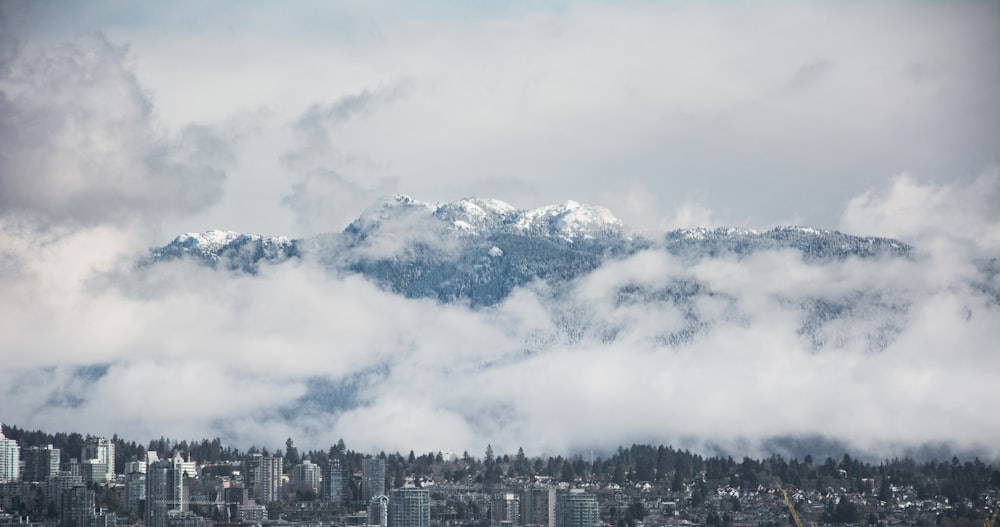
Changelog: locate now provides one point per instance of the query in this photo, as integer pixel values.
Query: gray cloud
(811, 73)
(330, 184)
(79, 142)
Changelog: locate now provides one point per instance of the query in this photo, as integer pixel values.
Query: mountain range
(478, 251)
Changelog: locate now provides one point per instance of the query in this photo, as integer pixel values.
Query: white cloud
(80, 144)
(926, 212)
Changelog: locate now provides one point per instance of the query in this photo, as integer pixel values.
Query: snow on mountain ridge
(215, 239)
(235, 250)
(474, 216)
(208, 240)
(571, 220)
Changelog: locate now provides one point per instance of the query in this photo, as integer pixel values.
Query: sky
(124, 124)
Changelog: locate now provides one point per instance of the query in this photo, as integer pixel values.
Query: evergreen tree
(291, 454)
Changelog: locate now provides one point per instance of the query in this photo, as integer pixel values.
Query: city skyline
(642, 484)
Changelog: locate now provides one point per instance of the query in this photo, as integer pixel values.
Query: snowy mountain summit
(473, 217)
(478, 250)
(230, 249)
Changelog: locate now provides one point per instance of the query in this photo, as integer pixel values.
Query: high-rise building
(268, 480)
(306, 475)
(10, 459)
(252, 514)
(372, 478)
(101, 518)
(251, 466)
(335, 483)
(409, 507)
(185, 519)
(378, 511)
(40, 463)
(71, 467)
(103, 451)
(94, 471)
(577, 509)
(76, 504)
(135, 467)
(135, 486)
(538, 505)
(58, 483)
(506, 509)
(164, 491)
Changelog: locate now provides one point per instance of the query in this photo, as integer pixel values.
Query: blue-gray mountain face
(227, 249)
(478, 251)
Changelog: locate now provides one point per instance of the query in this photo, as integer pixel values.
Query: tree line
(953, 479)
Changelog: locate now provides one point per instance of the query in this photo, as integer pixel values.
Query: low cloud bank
(181, 350)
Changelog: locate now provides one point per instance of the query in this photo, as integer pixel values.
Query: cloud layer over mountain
(182, 349)
(668, 116)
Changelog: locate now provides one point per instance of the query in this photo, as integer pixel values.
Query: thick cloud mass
(79, 143)
(678, 115)
(184, 350)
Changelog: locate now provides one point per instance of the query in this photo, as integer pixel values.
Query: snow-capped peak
(208, 240)
(476, 216)
(216, 239)
(473, 215)
(571, 220)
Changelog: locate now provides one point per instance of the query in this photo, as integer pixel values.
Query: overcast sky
(123, 124)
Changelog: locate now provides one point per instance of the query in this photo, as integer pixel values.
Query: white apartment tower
(268, 481)
(103, 451)
(306, 475)
(10, 459)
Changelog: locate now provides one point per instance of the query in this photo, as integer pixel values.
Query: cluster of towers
(65, 484)
(540, 505)
(156, 490)
(403, 507)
